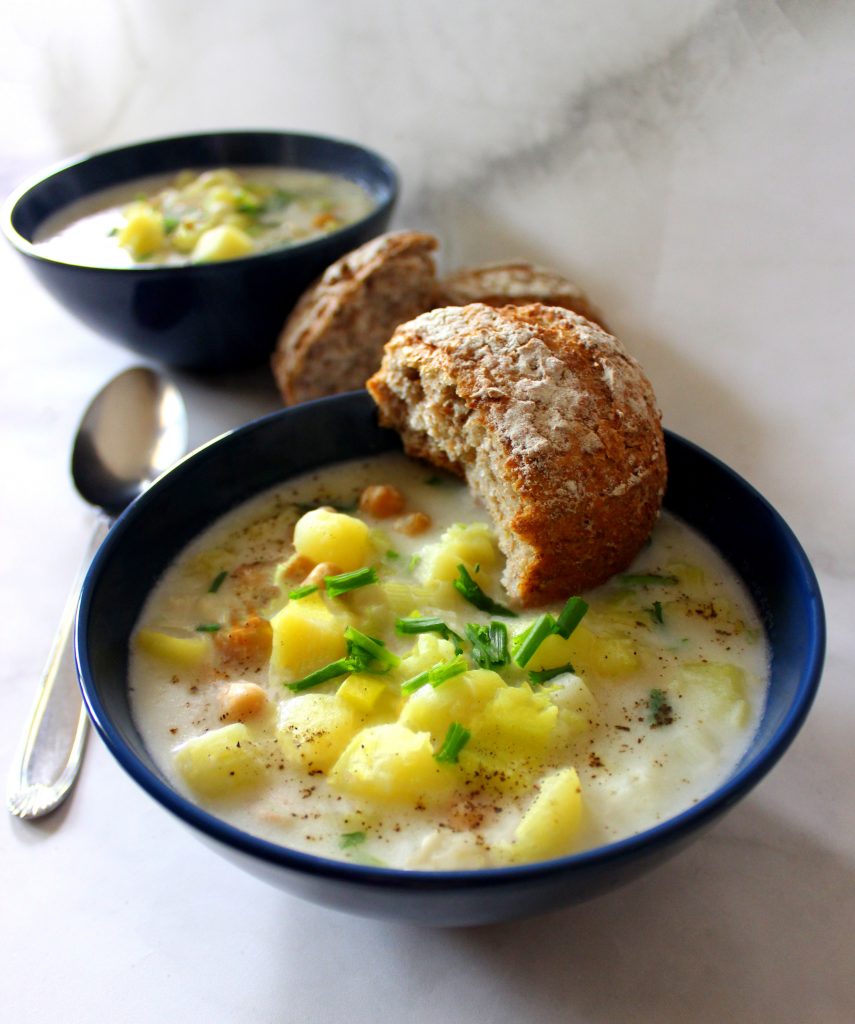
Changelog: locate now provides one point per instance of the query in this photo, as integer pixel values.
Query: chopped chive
(347, 840)
(375, 649)
(571, 615)
(344, 582)
(411, 626)
(489, 644)
(413, 562)
(208, 627)
(301, 592)
(527, 643)
(217, 581)
(335, 668)
(661, 712)
(537, 678)
(170, 224)
(655, 612)
(393, 555)
(470, 590)
(455, 740)
(435, 676)
(650, 579)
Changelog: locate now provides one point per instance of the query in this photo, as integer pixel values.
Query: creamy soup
(335, 667)
(205, 216)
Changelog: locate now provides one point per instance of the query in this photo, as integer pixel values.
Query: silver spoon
(133, 430)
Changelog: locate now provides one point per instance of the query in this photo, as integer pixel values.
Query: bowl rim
(664, 834)
(388, 172)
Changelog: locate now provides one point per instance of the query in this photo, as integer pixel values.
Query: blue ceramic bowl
(212, 316)
(704, 492)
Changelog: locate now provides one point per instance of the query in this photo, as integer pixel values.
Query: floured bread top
(553, 424)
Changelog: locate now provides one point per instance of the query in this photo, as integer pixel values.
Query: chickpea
(249, 642)
(382, 501)
(241, 700)
(414, 523)
(322, 569)
(296, 567)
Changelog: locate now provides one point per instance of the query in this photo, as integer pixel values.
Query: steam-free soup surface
(201, 216)
(392, 724)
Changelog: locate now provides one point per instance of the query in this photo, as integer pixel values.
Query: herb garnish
(208, 627)
(217, 581)
(369, 648)
(300, 592)
(433, 624)
(537, 678)
(435, 676)
(347, 581)
(661, 712)
(455, 740)
(489, 644)
(526, 643)
(347, 840)
(655, 612)
(469, 589)
(571, 615)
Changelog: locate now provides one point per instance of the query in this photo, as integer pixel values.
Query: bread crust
(519, 283)
(553, 424)
(334, 337)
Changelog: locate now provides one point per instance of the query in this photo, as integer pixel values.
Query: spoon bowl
(131, 432)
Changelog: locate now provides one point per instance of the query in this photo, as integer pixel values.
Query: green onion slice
(489, 644)
(469, 589)
(435, 676)
(433, 624)
(655, 613)
(347, 581)
(650, 579)
(347, 840)
(301, 592)
(455, 740)
(217, 581)
(525, 644)
(537, 678)
(571, 615)
(373, 648)
(342, 667)
(208, 627)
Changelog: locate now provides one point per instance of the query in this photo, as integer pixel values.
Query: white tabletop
(691, 166)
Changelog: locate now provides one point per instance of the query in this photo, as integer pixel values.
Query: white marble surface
(691, 164)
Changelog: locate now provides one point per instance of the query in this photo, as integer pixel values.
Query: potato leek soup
(334, 667)
(200, 217)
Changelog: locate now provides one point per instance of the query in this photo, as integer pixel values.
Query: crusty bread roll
(333, 340)
(552, 423)
(517, 283)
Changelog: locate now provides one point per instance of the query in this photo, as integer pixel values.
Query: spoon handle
(52, 747)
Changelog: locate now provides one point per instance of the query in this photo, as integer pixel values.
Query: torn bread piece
(552, 423)
(518, 283)
(333, 340)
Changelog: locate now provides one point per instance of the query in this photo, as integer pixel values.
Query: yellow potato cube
(361, 692)
(428, 650)
(458, 699)
(220, 762)
(143, 232)
(550, 826)
(394, 765)
(516, 720)
(313, 729)
(714, 691)
(470, 544)
(326, 536)
(306, 636)
(225, 242)
(178, 651)
(587, 652)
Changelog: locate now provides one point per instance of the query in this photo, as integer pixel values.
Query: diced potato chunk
(225, 242)
(713, 691)
(306, 636)
(220, 762)
(428, 650)
(361, 691)
(178, 651)
(517, 720)
(587, 652)
(142, 233)
(327, 536)
(458, 699)
(313, 730)
(393, 765)
(471, 545)
(550, 825)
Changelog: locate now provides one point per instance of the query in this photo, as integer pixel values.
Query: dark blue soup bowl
(703, 491)
(210, 316)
